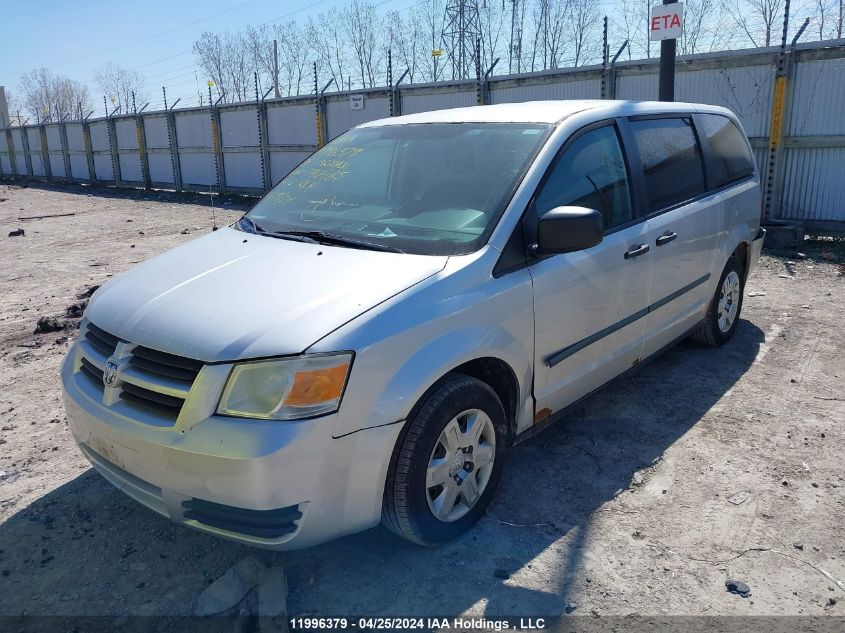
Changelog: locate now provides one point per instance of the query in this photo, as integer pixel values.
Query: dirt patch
(704, 468)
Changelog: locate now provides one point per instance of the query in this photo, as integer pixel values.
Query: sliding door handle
(667, 237)
(636, 251)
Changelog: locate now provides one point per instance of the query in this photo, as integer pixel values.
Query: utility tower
(461, 30)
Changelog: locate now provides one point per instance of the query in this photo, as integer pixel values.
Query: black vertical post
(667, 66)
(604, 61)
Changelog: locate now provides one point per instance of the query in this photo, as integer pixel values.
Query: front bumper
(280, 485)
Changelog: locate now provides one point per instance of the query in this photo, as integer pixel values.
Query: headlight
(286, 389)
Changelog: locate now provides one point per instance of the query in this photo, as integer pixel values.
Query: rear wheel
(446, 466)
(723, 312)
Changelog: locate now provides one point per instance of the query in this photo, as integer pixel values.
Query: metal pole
(141, 142)
(317, 113)
(89, 148)
(173, 144)
(264, 142)
(45, 156)
(217, 144)
(276, 69)
(64, 146)
(604, 62)
(667, 66)
(611, 75)
(258, 108)
(27, 152)
(776, 123)
(10, 148)
(111, 130)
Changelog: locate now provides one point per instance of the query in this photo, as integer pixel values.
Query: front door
(589, 305)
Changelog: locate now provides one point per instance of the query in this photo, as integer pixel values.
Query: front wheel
(723, 312)
(447, 464)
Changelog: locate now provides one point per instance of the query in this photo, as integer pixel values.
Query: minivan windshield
(431, 189)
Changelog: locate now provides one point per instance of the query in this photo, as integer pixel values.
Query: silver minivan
(367, 343)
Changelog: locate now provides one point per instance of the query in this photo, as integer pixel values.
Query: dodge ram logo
(110, 375)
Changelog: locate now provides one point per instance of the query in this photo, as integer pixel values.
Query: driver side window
(591, 173)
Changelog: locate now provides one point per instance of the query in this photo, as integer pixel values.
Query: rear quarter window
(729, 158)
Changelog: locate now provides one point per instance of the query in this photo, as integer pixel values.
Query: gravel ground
(707, 464)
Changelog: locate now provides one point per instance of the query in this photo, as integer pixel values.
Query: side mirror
(568, 229)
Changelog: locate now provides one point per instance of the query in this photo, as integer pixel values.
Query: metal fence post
(776, 123)
(45, 154)
(396, 95)
(484, 85)
(263, 142)
(10, 150)
(789, 72)
(217, 144)
(611, 75)
(65, 151)
(173, 144)
(27, 153)
(604, 56)
(141, 142)
(111, 129)
(89, 148)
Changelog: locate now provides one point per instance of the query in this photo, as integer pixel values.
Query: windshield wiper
(338, 240)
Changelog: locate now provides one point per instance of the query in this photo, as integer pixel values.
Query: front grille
(267, 524)
(165, 365)
(154, 383)
(92, 372)
(169, 406)
(101, 340)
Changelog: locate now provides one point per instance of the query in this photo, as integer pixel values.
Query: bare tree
(828, 24)
(839, 20)
(15, 106)
(259, 41)
(326, 35)
(582, 31)
(430, 16)
(118, 83)
(361, 26)
(630, 22)
(756, 19)
(698, 22)
(47, 96)
(240, 68)
(404, 39)
(295, 51)
(551, 17)
(492, 17)
(209, 52)
(228, 62)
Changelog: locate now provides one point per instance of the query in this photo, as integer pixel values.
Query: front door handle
(667, 237)
(636, 251)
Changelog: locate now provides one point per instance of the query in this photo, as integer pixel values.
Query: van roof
(545, 111)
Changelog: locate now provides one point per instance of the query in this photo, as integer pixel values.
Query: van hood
(232, 295)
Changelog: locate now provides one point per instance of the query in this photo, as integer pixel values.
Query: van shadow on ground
(86, 549)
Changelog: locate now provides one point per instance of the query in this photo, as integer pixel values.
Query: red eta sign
(667, 21)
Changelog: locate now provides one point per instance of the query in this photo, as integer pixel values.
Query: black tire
(708, 331)
(405, 509)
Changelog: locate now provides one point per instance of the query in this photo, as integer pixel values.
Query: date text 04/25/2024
(411, 623)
